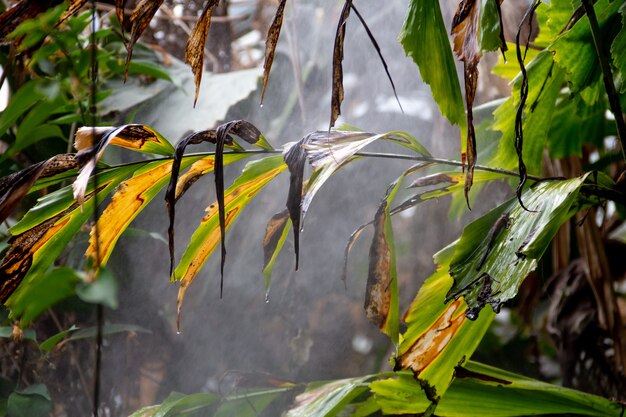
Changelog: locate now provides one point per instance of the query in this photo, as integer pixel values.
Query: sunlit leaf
(544, 81)
(576, 54)
(425, 39)
(270, 44)
(134, 194)
(93, 141)
(488, 268)
(482, 390)
(194, 49)
(439, 336)
(337, 84)
(255, 176)
(327, 399)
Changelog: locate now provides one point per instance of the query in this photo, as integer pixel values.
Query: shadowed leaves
(194, 49)
(21, 12)
(270, 44)
(14, 187)
(43, 233)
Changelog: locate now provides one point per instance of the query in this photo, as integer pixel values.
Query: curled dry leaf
(75, 6)
(13, 188)
(91, 142)
(205, 239)
(337, 86)
(140, 18)
(194, 49)
(120, 12)
(270, 44)
(221, 137)
(465, 35)
(295, 158)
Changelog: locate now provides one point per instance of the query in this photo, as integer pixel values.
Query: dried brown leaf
(140, 19)
(466, 47)
(75, 6)
(273, 232)
(378, 292)
(270, 44)
(21, 12)
(194, 49)
(295, 158)
(120, 6)
(14, 187)
(337, 86)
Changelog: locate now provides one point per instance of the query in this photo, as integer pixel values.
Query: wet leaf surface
(482, 390)
(424, 26)
(194, 49)
(270, 44)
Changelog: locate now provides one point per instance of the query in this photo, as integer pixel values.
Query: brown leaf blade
(194, 49)
(337, 86)
(295, 158)
(381, 294)
(465, 27)
(270, 44)
(13, 188)
(140, 19)
(21, 12)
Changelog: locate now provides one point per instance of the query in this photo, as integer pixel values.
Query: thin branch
(382, 155)
(609, 86)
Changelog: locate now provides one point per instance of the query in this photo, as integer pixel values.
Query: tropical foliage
(567, 96)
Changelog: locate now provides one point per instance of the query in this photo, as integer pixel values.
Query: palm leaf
(254, 177)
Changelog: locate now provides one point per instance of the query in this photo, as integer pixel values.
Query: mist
(311, 327)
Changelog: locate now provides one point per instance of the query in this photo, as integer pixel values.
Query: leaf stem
(607, 75)
(382, 155)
